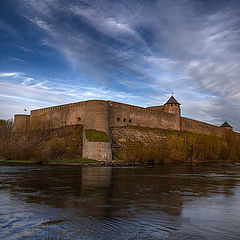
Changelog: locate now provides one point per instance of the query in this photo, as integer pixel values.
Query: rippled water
(160, 202)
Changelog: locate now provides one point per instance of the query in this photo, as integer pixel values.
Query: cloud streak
(30, 93)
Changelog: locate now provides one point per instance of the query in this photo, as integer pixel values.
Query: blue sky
(137, 52)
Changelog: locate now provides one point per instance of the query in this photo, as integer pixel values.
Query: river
(157, 202)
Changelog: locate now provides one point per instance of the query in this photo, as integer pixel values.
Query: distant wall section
(200, 127)
(21, 122)
(158, 108)
(129, 115)
(59, 116)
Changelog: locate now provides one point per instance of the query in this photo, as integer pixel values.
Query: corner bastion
(99, 116)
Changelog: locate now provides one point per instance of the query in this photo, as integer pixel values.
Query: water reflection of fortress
(103, 115)
(105, 192)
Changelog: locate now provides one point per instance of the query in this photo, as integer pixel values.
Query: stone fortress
(102, 115)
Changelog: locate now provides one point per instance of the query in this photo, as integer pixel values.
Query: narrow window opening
(79, 119)
(130, 121)
(118, 119)
(124, 119)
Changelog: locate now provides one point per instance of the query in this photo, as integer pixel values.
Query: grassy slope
(96, 136)
(54, 161)
(44, 144)
(136, 144)
(131, 144)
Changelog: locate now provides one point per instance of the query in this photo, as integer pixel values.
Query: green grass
(96, 136)
(22, 160)
(57, 161)
(73, 160)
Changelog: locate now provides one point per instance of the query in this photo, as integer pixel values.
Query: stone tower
(226, 126)
(96, 118)
(172, 106)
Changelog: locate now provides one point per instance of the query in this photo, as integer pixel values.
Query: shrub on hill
(42, 144)
(182, 147)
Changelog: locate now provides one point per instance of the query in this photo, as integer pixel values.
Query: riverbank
(74, 162)
(113, 163)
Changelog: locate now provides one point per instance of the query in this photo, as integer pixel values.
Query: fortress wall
(200, 127)
(159, 108)
(96, 117)
(100, 151)
(92, 114)
(129, 115)
(21, 122)
(58, 116)
(101, 115)
(48, 118)
(237, 134)
(76, 114)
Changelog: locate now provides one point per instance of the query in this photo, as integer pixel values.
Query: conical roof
(172, 100)
(226, 124)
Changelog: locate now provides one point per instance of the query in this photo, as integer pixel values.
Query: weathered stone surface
(101, 115)
(21, 122)
(96, 117)
(97, 150)
(191, 125)
(121, 135)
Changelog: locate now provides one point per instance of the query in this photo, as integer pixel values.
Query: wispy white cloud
(119, 29)
(43, 25)
(25, 49)
(27, 80)
(11, 74)
(15, 59)
(28, 93)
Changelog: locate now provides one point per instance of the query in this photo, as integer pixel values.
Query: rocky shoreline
(113, 163)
